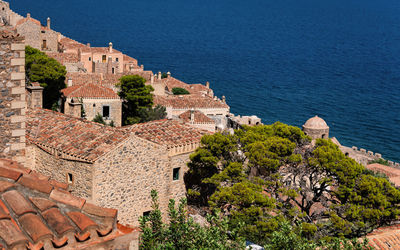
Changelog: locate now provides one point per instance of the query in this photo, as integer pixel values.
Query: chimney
(142, 66)
(152, 78)
(110, 47)
(109, 65)
(48, 22)
(208, 84)
(168, 74)
(34, 95)
(28, 15)
(88, 44)
(69, 83)
(159, 75)
(192, 115)
(223, 99)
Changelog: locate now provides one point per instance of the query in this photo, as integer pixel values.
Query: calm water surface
(283, 60)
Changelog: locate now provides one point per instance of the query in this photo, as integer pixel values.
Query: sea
(285, 60)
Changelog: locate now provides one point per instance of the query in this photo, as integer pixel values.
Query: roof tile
(42, 203)
(56, 220)
(17, 202)
(4, 185)
(89, 91)
(82, 221)
(10, 234)
(67, 198)
(34, 227)
(37, 184)
(99, 211)
(9, 174)
(189, 102)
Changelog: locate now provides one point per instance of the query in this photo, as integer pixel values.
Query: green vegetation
(99, 119)
(262, 177)
(380, 161)
(137, 98)
(182, 232)
(151, 114)
(180, 91)
(46, 71)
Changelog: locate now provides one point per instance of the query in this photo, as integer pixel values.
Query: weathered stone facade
(34, 95)
(12, 95)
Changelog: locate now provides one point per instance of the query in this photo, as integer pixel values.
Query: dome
(315, 123)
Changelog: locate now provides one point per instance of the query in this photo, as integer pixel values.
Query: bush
(180, 91)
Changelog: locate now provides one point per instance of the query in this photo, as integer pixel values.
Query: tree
(99, 119)
(136, 95)
(48, 72)
(181, 232)
(180, 91)
(151, 114)
(263, 175)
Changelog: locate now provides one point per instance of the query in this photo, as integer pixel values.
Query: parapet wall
(374, 156)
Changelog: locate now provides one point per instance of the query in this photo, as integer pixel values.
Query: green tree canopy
(137, 97)
(46, 71)
(261, 176)
(180, 91)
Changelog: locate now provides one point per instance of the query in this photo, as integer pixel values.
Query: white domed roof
(315, 123)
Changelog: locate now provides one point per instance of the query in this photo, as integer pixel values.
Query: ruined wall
(12, 96)
(124, 178)
(58, 169)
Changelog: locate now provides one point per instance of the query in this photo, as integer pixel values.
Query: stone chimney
(192, 116)
(48, 22)
(208, 84)
(34, 95)
(223, 99)
(88, 44)
(109, 65)
(159, 75)
(152, 79)
(75, 108)
(168, 74)
(69, 82)
(28, 15)
(110, 47)
(142, 66)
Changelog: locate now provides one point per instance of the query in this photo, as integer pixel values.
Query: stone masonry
(12, 95)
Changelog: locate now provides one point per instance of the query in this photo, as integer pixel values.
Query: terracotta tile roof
(71, 136)
(26, 19)
(83, 78)
(199, 117)
(194, 89)
(100, 50)
(68, 43)
(167, 132)
(64, 57)
(32, 219)
(89, 91)
(385, 237)
(189, 102)
(129, 59)
(9, 32)
(392, 173)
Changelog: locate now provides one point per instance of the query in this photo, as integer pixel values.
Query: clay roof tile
(83, 222)
(57, 221)
(34, 226)
(17, 202)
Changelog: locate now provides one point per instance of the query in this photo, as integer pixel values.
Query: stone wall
(93, 107)
(124, 178)
(12, 96)
(177, 187)
(58, 169)
(31, 32)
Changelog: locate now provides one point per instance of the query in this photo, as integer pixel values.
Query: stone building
(93, 99)
(112, 167)
(34, 95)
(38, 36)
(316, 127)
(37, 212)
(197, 119)
(12, 95)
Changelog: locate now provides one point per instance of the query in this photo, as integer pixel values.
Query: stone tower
(12, 95)
(4, 13)
(316, 127)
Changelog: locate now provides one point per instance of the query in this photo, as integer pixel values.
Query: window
(106, 111)
(90, 58)
(175, 174)
(145, 214)
(44, 44)
(104, 58)
(116, 59)
(43, 31)
(113, 71)
(70, 178)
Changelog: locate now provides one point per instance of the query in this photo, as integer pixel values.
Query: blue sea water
(283, 60)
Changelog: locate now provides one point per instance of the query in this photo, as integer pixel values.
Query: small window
(104, 58)
(116, 59)
(44, 44)
(146, 214)
(43, 31)
(175, 174)
(3, 8)
(94, 104)
(113, 70)
(70, 178)
(106, 111)
(90, 58)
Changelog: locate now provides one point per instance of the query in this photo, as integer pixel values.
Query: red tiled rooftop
(89, 91)
(64, 58)
(194, 89)
(189, 102)
(199, 117)
(392, 173)
(167, 132)
(26, 19)
(385, 237)
(75, 137)
(32, 219)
